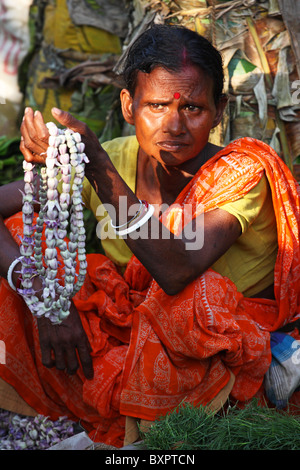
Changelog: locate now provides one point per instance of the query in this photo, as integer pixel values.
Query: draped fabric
(152, 351)
(209, 327)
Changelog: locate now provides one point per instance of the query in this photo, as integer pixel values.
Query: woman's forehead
(190, 80)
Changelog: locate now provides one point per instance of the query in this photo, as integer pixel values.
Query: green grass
(250, 428)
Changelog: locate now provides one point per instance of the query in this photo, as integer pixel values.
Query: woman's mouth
(171, 145)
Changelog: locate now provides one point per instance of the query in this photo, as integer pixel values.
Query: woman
(191, 316)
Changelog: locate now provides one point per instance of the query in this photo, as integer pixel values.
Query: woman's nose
(174, 124)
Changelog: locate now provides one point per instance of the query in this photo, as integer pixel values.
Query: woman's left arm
(172, 261)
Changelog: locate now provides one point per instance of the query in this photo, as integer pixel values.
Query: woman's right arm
(68, 342)
(10, 204)
(11, 198)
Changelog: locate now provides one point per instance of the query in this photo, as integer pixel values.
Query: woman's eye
(191, 107)
(157, 106)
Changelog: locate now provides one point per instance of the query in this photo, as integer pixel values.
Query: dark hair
(172, 47)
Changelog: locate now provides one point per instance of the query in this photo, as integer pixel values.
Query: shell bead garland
(64, 152)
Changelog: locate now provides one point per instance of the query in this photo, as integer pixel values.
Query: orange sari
(151, 351)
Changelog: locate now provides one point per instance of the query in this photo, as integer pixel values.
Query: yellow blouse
(249, 262)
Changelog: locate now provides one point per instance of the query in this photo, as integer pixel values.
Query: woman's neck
(162, 184)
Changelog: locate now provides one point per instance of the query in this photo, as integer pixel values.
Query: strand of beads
(28, 270)
(77, 224)
(38, 256)
(54, 216)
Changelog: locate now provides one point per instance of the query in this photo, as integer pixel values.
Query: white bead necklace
(64, 152)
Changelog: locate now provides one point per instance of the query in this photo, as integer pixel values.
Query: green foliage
(185, 428)
(11, 160)
(99, 109)
(251, 428)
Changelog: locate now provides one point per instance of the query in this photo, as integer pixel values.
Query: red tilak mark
(176, 96)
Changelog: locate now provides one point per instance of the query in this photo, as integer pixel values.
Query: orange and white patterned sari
(151, 351)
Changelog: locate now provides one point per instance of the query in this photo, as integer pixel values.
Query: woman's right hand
(65, 345)
(35, 135)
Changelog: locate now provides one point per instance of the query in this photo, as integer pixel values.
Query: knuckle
(33, 134)
(28, 145)
(68, 119)
(44, 135)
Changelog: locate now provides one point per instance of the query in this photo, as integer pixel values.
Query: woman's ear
(220, 108)
(126, 104)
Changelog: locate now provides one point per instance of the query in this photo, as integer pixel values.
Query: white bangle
(10, 272)
(117, 227)
(138, 224)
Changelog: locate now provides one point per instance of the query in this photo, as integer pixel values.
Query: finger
(41, 128)
(60, 362)
(86, 361)
(34, 132)
(72, 362)
(31, 156)
(47, 359)
(67, 120)
(45, 345)
(29, 143)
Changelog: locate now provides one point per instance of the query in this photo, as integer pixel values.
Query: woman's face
(173, 113)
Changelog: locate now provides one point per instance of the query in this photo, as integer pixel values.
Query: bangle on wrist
(136, 215)
(132, 228)
(10, 272)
